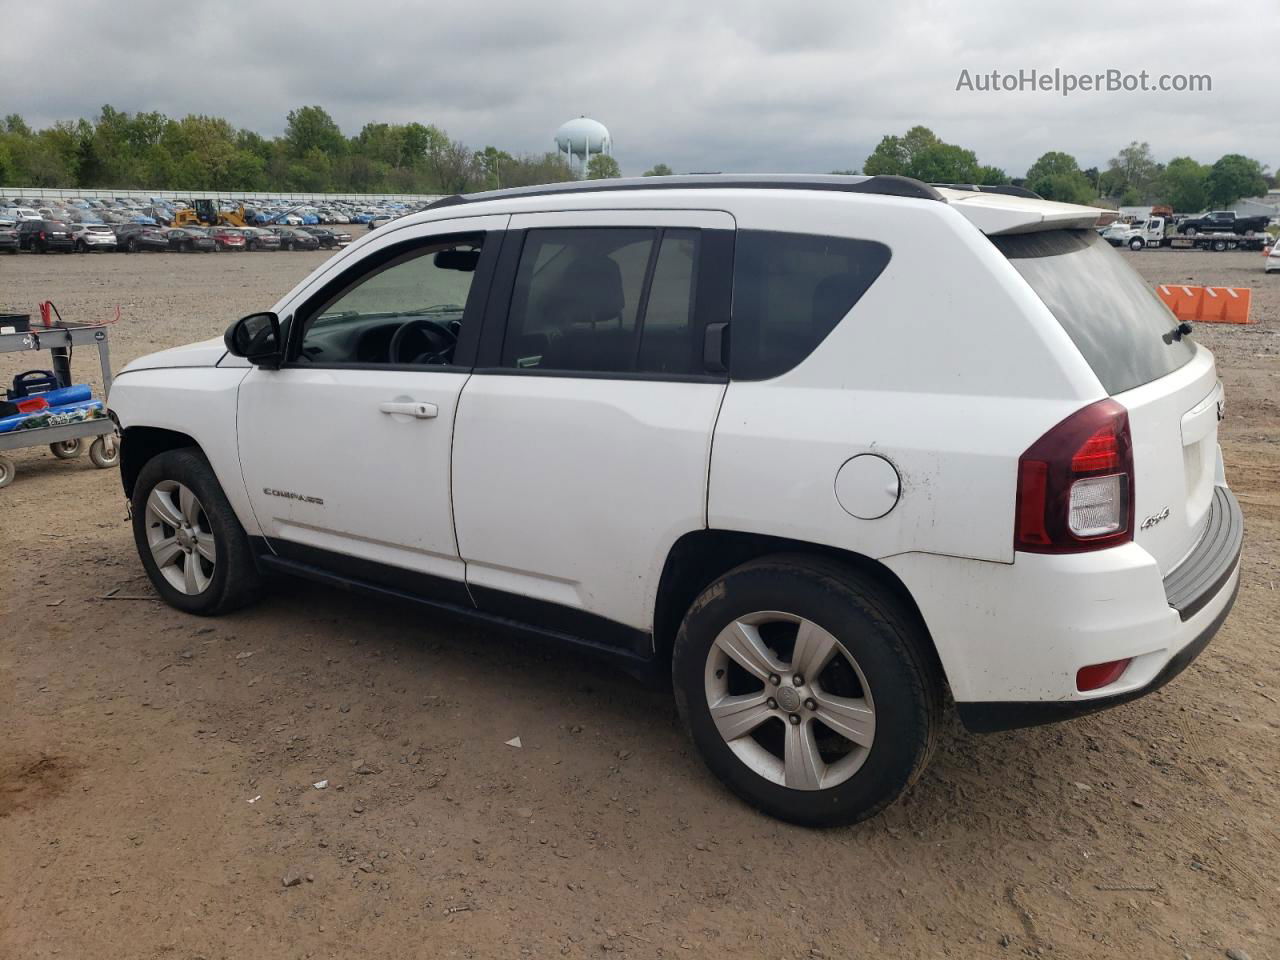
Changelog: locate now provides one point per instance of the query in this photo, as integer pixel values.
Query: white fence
(251, 196)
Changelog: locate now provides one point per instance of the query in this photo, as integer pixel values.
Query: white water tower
(581, 138)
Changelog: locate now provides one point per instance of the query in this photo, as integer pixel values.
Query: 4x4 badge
(1155, 518)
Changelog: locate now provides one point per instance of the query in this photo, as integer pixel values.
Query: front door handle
(411, 408)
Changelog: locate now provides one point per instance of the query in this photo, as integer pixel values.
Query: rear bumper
(1011, 637)
(995, 716)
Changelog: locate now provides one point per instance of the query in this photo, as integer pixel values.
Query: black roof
(886, 185)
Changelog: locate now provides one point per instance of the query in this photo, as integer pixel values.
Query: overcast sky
(747, 85)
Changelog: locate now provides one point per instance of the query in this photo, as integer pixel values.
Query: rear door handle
(412, 408)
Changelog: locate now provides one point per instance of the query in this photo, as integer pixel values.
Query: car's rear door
(583, 438)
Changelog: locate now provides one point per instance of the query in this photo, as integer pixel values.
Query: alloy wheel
(179, 535)
(790, 700)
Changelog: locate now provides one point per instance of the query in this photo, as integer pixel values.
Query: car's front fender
(199, 403)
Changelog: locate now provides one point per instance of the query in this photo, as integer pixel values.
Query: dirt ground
(157, 770)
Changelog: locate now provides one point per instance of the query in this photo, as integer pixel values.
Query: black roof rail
(885, 185)
(449, 201)
(1004, 189)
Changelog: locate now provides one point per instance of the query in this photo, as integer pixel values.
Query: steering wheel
(439, 337)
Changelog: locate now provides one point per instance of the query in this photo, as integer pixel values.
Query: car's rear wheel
(192, 546)
(805, 687)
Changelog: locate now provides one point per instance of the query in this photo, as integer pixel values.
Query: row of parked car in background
(49, 236)
(159, 211)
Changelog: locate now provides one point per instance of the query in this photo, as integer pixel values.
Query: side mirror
(256, 338)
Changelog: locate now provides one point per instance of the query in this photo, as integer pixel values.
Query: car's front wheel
(805, 686)
(192, 545)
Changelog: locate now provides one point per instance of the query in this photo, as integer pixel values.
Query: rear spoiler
(994, 213)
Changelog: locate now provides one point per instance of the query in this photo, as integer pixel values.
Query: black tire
(1137, 243)
(1219, 245)
(235, 581)
(885, 639)
(131, 245)
(1189, 231)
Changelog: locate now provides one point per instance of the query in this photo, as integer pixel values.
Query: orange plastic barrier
(1207, 304)
(1182, 300)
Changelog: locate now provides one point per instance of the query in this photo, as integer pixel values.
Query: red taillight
(1100, 452)
(1075, 484)
(42, 235)
(1100, 675)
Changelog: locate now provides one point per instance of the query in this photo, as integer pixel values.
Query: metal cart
(66, 441)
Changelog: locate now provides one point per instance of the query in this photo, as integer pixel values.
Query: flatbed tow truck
(1153, 233)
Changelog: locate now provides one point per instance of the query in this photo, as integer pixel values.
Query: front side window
(789, 291)
(604, 300)
(407, 310)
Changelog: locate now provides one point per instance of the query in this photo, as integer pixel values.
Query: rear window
(789, 291)
(1115, 320)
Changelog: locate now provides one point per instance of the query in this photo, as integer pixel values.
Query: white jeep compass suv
(820, 446)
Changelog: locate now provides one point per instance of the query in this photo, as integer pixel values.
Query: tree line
(153, 151)
(1133, 177)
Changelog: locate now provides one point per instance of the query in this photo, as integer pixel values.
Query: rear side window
(789, 291)
(1111, 315)
(605, 300)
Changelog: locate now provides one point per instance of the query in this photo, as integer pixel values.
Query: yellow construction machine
(206, 213)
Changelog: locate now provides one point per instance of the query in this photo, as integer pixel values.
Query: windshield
(1115, 320)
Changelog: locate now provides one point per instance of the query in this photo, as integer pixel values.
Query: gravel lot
(157, 771)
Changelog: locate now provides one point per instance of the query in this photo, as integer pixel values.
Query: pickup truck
(1222, 221)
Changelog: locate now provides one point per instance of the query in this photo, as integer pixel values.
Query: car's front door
(583, 438)
(346, 448)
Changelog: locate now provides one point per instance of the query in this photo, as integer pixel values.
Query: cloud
(719, 85)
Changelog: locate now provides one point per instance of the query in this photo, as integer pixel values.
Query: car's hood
(207, 353)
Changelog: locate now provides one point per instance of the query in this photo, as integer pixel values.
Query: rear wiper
(1177, 333)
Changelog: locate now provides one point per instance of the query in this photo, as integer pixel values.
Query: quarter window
(789, 291)
(604, 300)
